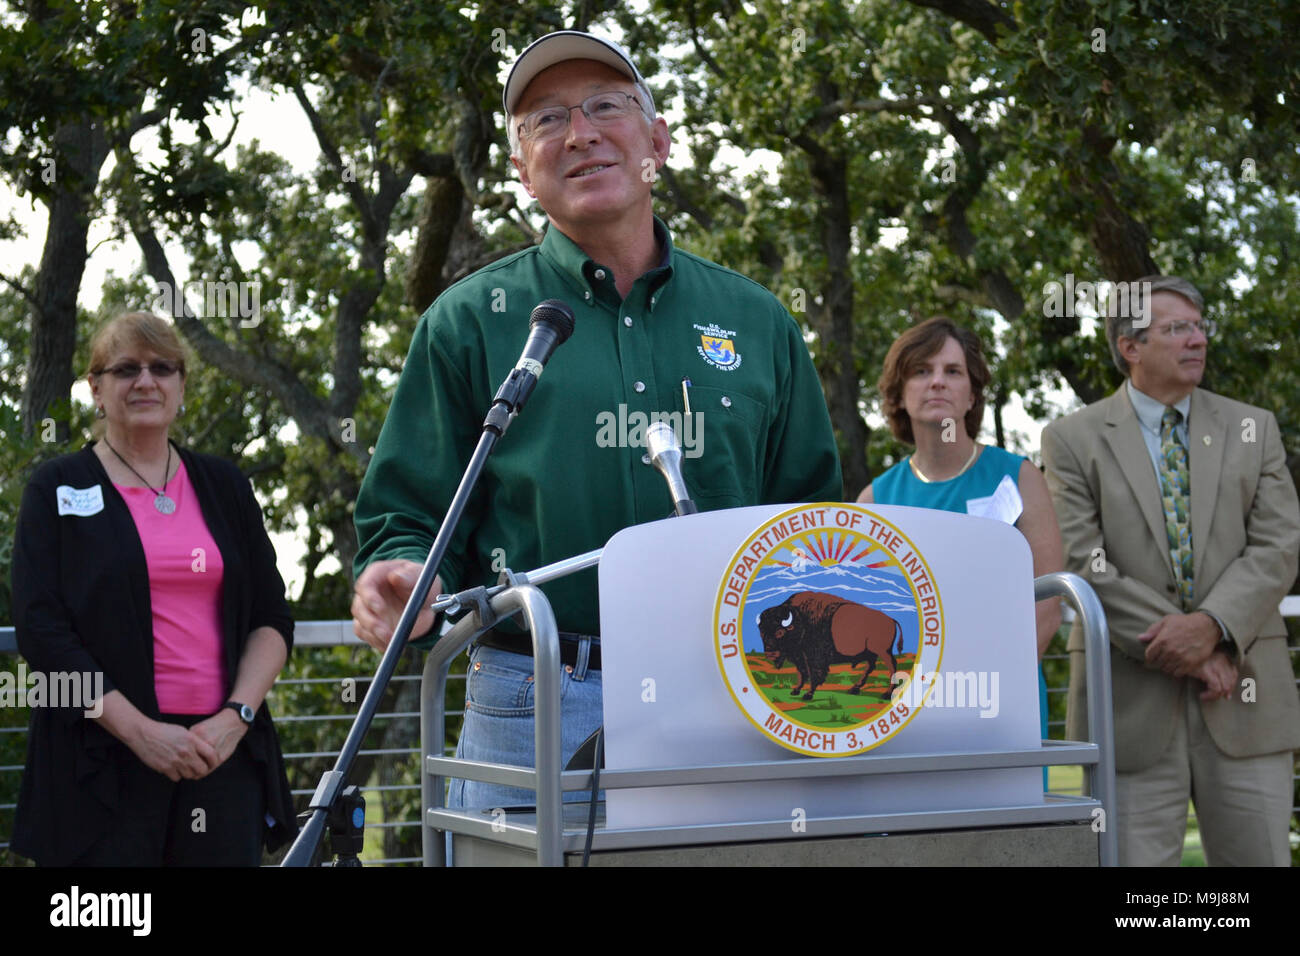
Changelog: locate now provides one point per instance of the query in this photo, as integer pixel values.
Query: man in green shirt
(658, 332)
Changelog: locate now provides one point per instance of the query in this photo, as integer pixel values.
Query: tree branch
(674, 192)
(25, 292)
(976, 14)
(306, 409)
(705, 57)
(907, 104)
(431, 164)
(141, 121)
(350, 186)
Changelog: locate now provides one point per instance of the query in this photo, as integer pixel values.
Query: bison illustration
(814, 630)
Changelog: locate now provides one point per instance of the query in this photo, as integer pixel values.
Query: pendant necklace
(161, 500)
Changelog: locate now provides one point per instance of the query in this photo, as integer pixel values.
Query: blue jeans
(499, 726)
(1042, 712)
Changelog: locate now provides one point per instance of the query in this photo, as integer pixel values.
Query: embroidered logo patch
(718, 347)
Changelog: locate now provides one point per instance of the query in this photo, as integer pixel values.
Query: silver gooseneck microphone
(666, 455)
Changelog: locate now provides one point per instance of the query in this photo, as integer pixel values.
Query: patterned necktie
(1176, 500)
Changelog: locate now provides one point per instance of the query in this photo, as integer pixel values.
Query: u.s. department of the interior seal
(822, 617)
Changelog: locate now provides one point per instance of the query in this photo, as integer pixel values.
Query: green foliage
(872, 163)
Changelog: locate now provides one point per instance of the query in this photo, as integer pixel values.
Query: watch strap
(245, 712)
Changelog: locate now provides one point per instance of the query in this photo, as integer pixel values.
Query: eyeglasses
(130, 371)
(601, 109)
(1182, 328)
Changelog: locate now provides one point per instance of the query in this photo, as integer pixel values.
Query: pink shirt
(185, 573)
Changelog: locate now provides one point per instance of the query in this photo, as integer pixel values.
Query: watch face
(246, 713)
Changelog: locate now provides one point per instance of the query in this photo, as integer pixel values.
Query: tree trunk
(833, 318)
(441, 209)
(80, 150)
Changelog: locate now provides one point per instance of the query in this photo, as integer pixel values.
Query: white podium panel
(667, 705)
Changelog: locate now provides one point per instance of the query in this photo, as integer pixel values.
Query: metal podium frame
(544, 832)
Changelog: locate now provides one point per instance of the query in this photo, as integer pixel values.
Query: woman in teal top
(932, 389)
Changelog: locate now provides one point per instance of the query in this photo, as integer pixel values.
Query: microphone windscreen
(557, 315)
(660, 438)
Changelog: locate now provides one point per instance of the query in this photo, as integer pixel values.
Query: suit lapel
(1123, 435)
(1207, 436)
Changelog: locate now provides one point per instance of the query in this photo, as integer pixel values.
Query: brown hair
(132, 330)
(911, 349)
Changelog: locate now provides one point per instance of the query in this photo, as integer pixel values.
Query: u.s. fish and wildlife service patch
(718, 347)
(823, 616)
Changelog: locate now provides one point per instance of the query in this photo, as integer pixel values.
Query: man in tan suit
(1177, 506)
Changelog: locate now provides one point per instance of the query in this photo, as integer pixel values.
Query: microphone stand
(331, 787)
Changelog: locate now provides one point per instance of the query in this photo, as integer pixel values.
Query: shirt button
(627, 320)
(600, 273)
(726, 402)
(645, 459)
(639, 386)
(587, 296)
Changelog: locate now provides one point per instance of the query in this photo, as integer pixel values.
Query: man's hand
(222, 732)
(1181, 643)
(381, 595)
(1219, 674)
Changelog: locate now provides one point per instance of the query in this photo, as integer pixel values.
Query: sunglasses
(130, 371)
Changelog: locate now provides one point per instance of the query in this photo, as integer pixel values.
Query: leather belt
(523, 644)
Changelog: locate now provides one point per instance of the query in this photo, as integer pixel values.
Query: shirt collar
(582, 271)
(1150, 412)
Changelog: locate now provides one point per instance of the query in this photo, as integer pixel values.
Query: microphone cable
(595, 789)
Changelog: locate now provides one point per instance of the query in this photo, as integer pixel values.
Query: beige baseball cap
(556, 48)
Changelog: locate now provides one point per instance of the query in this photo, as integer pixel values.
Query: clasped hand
(1186, 645)
(178, 753)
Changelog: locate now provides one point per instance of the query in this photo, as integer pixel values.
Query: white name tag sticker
(82, 502)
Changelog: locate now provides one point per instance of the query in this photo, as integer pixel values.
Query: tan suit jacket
(1245, 539)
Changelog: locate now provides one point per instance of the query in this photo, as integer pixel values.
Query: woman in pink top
(146, 570)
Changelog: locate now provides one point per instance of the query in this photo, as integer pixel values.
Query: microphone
(666, 455)
(550, 326)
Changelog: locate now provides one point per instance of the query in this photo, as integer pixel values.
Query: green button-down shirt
(569, 473)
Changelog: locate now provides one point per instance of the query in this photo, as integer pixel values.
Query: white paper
(1005, 504)
(82, 502)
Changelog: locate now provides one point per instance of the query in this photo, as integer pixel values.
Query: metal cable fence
(316, 704)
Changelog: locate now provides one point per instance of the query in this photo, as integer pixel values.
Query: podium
(691, 778)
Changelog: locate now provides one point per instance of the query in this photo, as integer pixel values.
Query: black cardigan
(81, 604)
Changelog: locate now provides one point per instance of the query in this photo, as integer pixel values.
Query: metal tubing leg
(1101, 726)
(540, 621)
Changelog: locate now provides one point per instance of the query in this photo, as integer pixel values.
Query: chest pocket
(724, 468)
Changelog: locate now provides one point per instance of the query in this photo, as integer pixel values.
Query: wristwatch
(243, 710)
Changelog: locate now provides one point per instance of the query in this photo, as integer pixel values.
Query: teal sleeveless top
(899, 486)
